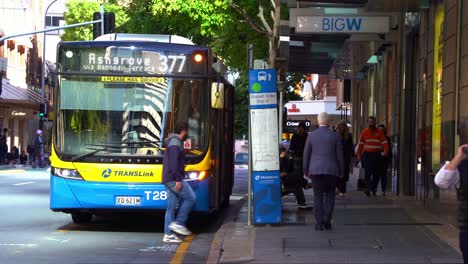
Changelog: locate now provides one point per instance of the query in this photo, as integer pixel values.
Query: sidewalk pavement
(365, 230)
(17, 167)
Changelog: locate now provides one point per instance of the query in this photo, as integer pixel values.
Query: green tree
(241, 107)
(80, 11)
(141, 19)
(220, 17)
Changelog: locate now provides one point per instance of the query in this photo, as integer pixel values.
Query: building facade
(418, 88)
(404, 62)
(19, 100)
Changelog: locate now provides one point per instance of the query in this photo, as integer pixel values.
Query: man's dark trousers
(371, 162)
(324, 197)
(464, 244)
(381, 175)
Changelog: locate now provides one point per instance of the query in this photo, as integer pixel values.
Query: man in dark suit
(323, 163)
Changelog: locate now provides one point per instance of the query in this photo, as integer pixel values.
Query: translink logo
(106, 173)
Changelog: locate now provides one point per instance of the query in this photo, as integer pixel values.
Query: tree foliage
(241, 108)
(82, 11)
(143, 20)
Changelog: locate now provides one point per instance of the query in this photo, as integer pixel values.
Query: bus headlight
(66, 173)
(195, 175)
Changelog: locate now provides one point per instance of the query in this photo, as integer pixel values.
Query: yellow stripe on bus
(132, 79)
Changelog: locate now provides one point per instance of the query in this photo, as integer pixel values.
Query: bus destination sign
(128, 60)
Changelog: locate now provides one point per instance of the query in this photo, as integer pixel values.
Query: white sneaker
(180, 229)
(171, 238)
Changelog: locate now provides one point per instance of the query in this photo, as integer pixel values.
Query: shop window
(53, 21)
(10, 44)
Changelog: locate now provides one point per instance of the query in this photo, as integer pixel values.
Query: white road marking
(22, 183)
(165, 248)
(18, 245)
(56, 239)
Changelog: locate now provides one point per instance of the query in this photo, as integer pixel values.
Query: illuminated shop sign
(342, 24)
(294, 109)
(295, 123)
(18, 113)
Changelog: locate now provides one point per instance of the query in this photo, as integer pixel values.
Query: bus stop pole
(249, 195)
(41, 121)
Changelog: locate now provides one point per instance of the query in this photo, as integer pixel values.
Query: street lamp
(43, 61)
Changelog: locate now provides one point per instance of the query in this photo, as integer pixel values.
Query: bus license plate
(127, 200)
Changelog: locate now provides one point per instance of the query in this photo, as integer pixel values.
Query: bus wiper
(151, 143)
(79, 157)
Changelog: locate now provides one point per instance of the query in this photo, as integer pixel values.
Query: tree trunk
(274, 37)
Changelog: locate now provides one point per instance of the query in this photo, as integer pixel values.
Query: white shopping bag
(358, 171)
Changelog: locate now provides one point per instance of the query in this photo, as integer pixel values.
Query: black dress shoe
(374, 193)
(318, 227)
(367, 193)
(327, 226)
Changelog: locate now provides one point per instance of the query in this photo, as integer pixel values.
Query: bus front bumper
(67, 195)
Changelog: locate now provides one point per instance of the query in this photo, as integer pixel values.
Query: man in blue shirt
(180, 195)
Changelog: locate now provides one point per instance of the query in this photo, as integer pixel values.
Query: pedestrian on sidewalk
(372, 143)
(455, 173)
(286, 142)
(291, 182)
(385, 162)
(23, 157)
(348, 153)
(13, 156)
(296, 150)
(3, 145)
(323, 163)
(38, 146)
(180, 195)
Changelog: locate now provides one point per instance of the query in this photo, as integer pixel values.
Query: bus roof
(146, 37)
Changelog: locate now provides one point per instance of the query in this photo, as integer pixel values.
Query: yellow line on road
(10, 171)
(181, 250)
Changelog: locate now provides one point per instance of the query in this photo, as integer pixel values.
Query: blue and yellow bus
(115, 102)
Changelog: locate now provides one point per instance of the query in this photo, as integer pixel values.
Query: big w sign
(342, 24)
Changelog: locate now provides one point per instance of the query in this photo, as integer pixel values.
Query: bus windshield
(128, 116)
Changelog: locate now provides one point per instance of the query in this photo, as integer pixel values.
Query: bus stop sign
(265, 176)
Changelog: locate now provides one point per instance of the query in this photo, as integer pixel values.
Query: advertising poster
(267, 197)
(437, 85)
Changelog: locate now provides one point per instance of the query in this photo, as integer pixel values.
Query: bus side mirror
(217, 95)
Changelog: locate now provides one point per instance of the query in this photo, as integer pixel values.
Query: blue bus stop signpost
(264, 146)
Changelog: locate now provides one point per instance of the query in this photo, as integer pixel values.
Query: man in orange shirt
(371, 143)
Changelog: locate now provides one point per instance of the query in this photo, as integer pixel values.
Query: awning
(23, 40)
(16, 95)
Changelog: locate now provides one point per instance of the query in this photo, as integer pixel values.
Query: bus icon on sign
(262, 76)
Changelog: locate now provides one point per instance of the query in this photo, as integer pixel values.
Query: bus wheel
(80, 218)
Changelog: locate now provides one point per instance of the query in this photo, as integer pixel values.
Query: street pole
(43, 65)
(249, 195)
(102, 19)
(281, 86)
